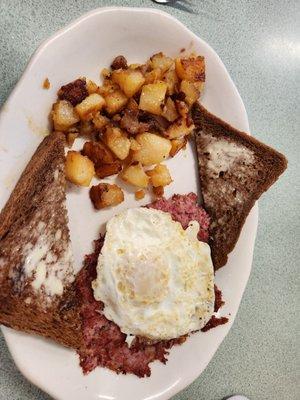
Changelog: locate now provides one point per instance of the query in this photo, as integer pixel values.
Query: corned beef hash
(153, 284)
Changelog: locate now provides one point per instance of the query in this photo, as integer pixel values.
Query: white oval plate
(82, 49)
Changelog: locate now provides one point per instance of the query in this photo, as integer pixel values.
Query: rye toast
(235, 170)
(36, 261)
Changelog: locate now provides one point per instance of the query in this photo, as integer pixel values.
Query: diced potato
(79, 169)
(108, 87)
(179, 128)
(132, 105)
(86, 128)
(117, 141)
(153, 76)
(191, 69)
(171, 80)
(177, 145)
(91, 86)
(98, 153)
(154, 149)
(71, 136)
(115, 101)
(46, 84)
(190, 91)
(128, 160)
(143, 68)
(89, 106)
(159, 176)
(169, 111)
(134, 145)
(139, 194)
(100, 121)
(134, 66)
(200, 86)
(135, 175)
(129, 80)
(104, 170)
(63, 115)
(105, 72)
(116, 118)
(152, 97)
(158, 191)
(182, 108)
(162, 62)
(106, 195)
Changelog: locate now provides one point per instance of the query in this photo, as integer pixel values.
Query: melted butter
(43, 266)
(223, 154)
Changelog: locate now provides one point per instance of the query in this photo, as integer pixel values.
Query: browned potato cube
(177, 145)
(89, 106)
(139, 194)
(91, 86)
(154, 149)
(134, 66)
(132, 105)
(63, 115)
(169, 111)
(135, 175)
(158, 191)
(106, 195)
(79, 169)
(171, 80)
(98, 153)
(134, 145)
(182, 108)
(161, 61)
(115, 101)
(199, 86)
(71, 136)
(46, 84)
(104, 170)
(179, 128)
(153, 76)
(116, 118)
(105, 73)
(152, 97)
(129, 80)
(108, 87)
(159, 175)
(191, 69)
(86, 128)
(117, 141)
(190, 91)
(100, 121)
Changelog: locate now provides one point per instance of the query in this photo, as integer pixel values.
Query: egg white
(155, 279)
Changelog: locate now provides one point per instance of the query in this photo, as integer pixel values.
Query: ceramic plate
(83, 49)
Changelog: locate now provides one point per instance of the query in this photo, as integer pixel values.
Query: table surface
(258, 42)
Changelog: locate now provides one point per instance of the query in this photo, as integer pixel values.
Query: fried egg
(156, 279)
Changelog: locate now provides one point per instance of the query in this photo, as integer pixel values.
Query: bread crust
(233, 180)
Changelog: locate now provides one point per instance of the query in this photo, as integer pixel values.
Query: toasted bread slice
(36, 262)
(235, 169)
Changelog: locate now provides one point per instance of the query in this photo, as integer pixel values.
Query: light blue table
(259, 42)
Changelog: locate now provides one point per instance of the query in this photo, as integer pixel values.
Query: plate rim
(254, 212)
